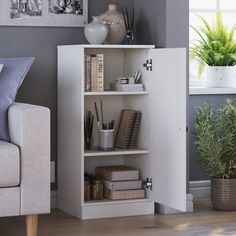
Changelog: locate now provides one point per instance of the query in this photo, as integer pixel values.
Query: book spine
(93, 73)
(100, 72)
(88, 73)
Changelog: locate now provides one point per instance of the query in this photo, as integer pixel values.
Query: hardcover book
(93, 73)
(123, 185)
(100, 72)
(117, 173)
(88, 73)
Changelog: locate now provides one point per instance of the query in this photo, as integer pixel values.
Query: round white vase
(116, 25)
(96, 32)
(221, 76)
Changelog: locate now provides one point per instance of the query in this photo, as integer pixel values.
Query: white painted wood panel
(125, 208)
(70, 124)
(168, 135)
(162, 138)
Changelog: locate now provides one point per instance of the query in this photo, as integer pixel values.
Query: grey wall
(151, 22)
(162, 22)
(40, 86)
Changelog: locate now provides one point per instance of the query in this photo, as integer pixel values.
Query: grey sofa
(25, 165)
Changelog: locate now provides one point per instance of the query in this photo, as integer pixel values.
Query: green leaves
(216, 46)
(215, 138)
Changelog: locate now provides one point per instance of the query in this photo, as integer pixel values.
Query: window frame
(193, 83)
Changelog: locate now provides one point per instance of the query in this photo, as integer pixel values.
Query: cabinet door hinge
(148, 183)
(148, 65)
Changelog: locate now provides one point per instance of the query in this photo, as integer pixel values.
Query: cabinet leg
(32, 225)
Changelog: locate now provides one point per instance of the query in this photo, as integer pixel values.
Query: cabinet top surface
(85, 46)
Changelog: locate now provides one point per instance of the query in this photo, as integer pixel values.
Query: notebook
(124, 130)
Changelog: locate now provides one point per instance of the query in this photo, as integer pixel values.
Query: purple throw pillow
(12, 75)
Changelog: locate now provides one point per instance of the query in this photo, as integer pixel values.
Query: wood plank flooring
(203, 222)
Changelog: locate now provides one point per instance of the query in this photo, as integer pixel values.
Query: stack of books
(128, 129)
(121, 182)
(94, 73)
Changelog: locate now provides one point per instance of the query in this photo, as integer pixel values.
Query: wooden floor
(204, 221)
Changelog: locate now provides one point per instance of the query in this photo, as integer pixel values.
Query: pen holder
(106, 140)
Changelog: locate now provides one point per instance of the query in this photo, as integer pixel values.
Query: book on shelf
(93, 78)
(87, 73)
(124, 194)
(94, 73)
(123, 185)
(100, 73)
(128, 129)
(117, 173)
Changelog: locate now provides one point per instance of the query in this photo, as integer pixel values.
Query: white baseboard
(200, 189)
(167, 210)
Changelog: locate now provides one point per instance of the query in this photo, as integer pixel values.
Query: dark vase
(223, 194)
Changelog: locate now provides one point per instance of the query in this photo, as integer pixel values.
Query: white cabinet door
(168, 127)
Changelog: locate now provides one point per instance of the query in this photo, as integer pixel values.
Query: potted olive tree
(216, 50)
(215, 142)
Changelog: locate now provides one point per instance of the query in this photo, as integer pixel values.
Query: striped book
(100, 73)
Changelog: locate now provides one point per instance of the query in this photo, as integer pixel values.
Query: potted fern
(215, 49)
(215, 142)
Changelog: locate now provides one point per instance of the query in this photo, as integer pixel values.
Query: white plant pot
(221, 76)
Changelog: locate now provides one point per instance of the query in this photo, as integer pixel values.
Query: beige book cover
(117, 173)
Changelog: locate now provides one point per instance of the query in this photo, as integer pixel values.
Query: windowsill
(211, 91)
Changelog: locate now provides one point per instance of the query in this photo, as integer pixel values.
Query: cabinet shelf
(107, 201)
(116, 152)
(116, 93)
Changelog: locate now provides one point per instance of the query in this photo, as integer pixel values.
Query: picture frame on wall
(49, 13)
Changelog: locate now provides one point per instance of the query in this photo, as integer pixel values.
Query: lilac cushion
(12, 75)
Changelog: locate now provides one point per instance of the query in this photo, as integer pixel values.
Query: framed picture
(54, 13)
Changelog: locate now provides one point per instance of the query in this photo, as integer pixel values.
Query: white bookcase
(161, 155)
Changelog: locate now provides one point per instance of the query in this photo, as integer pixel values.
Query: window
(208, 9)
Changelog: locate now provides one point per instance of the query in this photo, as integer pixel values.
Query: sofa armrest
(29, 128)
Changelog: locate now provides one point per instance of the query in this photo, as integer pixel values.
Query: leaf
(216, 46)
(215, 138)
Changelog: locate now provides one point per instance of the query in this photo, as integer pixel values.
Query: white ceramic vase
(116, 25)
(96, 32)
(221, 76)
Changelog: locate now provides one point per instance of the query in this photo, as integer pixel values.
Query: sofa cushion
(13, 72)
(9, 165)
